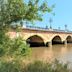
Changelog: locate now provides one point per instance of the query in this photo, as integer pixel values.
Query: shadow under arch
(56, 40)
(69, 39)
(35, 41)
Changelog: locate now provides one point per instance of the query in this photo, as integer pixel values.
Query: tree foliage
(16, 10)
(13, 11)
(14, 48)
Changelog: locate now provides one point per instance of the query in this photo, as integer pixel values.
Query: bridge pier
(65, 42)
(49, 44)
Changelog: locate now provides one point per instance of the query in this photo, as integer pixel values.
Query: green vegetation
(37, 66)
(40, 66)
(9, 66)
(14, 48)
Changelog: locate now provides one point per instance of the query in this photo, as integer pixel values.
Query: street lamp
(46, 26)
(58, 28)
(50, 21)
(65, 27)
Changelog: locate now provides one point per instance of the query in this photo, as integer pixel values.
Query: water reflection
(60, 52)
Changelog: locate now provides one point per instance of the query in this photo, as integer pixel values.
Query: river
(61, 52)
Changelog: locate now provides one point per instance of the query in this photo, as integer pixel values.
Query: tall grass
(36, 66)
(39, 66)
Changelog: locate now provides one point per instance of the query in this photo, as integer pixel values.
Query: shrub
(1, 51)
(14, 47)
(9, 66)
(18, 47)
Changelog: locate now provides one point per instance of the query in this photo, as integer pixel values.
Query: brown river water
(61, 52)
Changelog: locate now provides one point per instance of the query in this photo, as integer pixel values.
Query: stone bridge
(43, 37)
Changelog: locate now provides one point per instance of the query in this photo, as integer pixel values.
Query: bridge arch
(69, 39)
(56, 40)
(35, 41)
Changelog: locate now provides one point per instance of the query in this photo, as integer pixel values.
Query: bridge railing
(47, 29)
(38, 28)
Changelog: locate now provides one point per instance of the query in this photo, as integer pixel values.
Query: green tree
(14, 11)
(17, 10)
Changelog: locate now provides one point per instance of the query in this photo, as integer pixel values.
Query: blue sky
(63, 15)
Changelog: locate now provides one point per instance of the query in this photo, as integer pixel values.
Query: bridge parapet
(47, 29)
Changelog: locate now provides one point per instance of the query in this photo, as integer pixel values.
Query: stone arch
(69, 39)
(56, 40)
(35, 41)
(26, 36)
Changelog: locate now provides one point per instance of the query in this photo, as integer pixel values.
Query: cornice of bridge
(49, 31)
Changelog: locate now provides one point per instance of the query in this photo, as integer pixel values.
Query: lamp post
(46, 26)
(50, 21)
(65, 27)
(58, 28)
